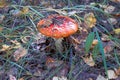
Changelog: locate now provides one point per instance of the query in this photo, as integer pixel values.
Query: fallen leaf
(50, 60)
(116, 14)
(100, 77)
(19, 53)
(117, 31)
(21, 78)
(105, 38)
(17, 44)
(5, 47)
(88, 59)
(113, 21)
(11, 77)
(112, 74)
(94, 43)
(117, 71)
(109, 47)
(59, 78)
(52, 63)
(3, 3)
(25, 10)
(109, 9)
(90, 20)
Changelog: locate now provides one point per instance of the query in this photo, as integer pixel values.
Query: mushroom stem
(58, 45)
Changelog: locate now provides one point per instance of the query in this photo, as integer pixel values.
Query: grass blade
(89, 41)
(102, 52)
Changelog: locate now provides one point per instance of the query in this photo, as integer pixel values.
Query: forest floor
(92, 53)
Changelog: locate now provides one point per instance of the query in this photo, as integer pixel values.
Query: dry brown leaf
(50, 60)
(90, 20)
(116, 15)
(88, 59)
(117, 71)
(19, 53)
(3, 3)
(59, 78)
(112, 74)
(109, 47)
(11, 77)
(21, 78)
(52, 63)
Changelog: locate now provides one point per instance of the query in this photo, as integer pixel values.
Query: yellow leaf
(90, 20)
(25, 10)
(117, 31)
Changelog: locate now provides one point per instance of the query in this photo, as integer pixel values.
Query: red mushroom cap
(57, 26)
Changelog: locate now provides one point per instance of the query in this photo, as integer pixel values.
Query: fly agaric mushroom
(57, 27)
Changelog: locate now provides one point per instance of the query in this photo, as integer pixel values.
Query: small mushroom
(57, 27)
